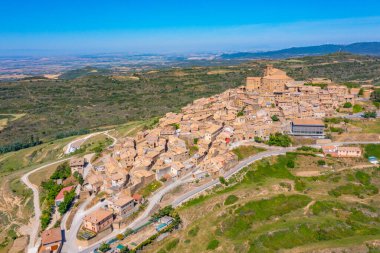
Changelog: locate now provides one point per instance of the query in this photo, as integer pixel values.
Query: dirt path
(307, 207)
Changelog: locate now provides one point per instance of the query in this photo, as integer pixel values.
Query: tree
(370, 115)
(279, 139)
(125, 249)
(357, 108)
(176, 126)
(222, 180)
(361, 92)
(78, 177)
(290, 164)
(258, 139)
(120, 237)
(347, 105)
(67, 200)
(166, 211)
(63, 171)
(275, 118)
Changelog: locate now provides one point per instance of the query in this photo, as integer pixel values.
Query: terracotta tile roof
(61, 194)
(97, 216)
(137, 197)
(51, 236)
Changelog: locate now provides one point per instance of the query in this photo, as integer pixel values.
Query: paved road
(156, 198)
(252, 143)
(33, 246)
(359, 115)
(34, 241)
(144, 217)
(71, 240)
(229, 173)
(80, 141)
(249, 161)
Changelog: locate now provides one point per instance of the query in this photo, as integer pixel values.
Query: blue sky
(67, 26)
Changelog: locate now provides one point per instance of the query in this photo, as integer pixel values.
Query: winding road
(71, 245)
(33, 245)
(34, 240)
(156, 198)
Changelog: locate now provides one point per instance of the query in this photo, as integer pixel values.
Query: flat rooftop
(308, 122)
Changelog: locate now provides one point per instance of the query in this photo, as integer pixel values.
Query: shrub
(213, 244)
(308, 149)
(78, 177)
(370, 115)
(336, 130)
(166, 211)
(222, 180)
(321, 162)
(357, 108)
(231, 199)
(125, 249)
(104, 247)
(193, 232)
(172, 244)
(347, 105)
(363, 177)
(290, 164)
(275, 118)
(279, 139)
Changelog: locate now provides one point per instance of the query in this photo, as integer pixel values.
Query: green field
(265, 211)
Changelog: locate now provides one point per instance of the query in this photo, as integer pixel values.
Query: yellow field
(125, 78)
(220, 71)
(9, 117)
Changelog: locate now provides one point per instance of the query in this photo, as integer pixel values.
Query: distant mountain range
(364, 48)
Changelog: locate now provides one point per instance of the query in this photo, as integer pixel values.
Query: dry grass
(220, 71)
(368, 126)
(38, 177)
(8, 118)
(126, 78)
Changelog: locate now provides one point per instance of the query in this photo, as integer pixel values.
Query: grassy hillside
(50, 107)
(16, 203)
(339, 67)
(271, 209)
(53, 106)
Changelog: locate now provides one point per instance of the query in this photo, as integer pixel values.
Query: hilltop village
(196, 141)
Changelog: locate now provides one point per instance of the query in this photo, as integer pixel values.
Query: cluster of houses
(344, 152)
(196, 140)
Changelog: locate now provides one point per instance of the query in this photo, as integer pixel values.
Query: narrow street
(156, 198)
(35, 241)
